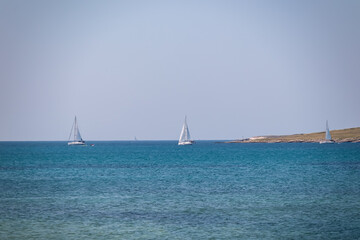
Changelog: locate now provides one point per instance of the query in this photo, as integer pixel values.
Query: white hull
(76, 143)
(186, 143)
(326, 142)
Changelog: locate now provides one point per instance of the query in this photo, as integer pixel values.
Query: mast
(75, 129)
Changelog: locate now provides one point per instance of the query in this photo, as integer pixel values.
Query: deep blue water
(158, 190)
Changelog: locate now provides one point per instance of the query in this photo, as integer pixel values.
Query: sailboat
(327, 135)
(185, 135)
(77, 140)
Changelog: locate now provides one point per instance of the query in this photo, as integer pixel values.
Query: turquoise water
(158, 190)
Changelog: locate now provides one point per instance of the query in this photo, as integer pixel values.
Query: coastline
(339, 136)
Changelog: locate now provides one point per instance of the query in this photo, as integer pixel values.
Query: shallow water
(158, 190)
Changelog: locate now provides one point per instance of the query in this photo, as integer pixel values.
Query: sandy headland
(342, 135)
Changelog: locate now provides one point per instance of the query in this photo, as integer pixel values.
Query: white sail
(328, 135)
(77, 136)
(328, 138)
(185, 138)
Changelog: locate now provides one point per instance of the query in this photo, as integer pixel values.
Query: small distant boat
(328, 138)
(77, 140)
(185, 138)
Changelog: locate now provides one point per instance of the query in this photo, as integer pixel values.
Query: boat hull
(186, 143)
(327, 142)
(76, 143)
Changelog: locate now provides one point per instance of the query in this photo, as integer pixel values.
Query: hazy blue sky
(135, 68)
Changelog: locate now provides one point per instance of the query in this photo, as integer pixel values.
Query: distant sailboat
(77, 140)
(185, 135)
(327, 135)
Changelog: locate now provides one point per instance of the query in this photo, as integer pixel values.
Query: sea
(159, 190)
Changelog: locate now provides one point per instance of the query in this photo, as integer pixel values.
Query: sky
(136, 68)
